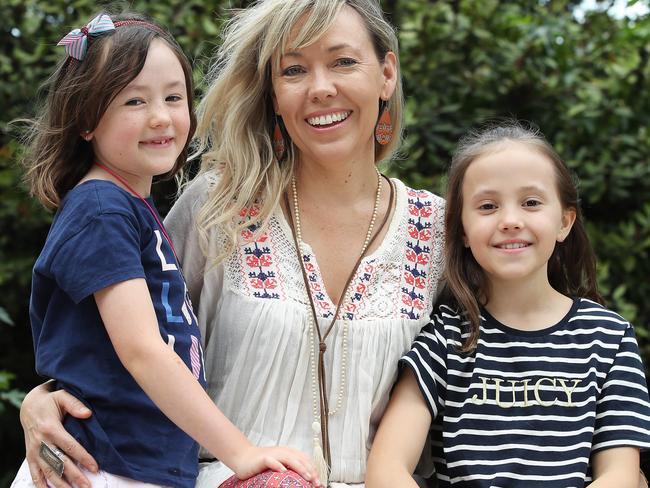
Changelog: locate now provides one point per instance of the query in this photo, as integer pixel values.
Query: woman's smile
(328, 119)
(328, 92)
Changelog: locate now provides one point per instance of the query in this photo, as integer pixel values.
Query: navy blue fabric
(101, 236)
(530, 408)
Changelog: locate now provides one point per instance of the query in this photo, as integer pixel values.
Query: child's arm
(128, 314)
(400, 437)
(617, 467)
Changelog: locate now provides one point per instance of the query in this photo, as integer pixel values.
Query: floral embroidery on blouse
(259, 260)
(321, 301)
(417, 254)
(406, 269)
(360, 289)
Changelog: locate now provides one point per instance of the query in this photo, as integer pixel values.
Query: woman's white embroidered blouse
(253, 317)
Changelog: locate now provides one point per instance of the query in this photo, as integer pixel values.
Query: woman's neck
(339, 186)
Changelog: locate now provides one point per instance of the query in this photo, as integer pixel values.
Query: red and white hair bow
(76, 41)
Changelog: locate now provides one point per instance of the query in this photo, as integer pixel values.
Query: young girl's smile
(512, 215)
(145, 128)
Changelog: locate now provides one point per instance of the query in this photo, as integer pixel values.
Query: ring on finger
(53, 457)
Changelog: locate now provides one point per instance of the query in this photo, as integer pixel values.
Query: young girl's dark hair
(78, 94)
(572, 266)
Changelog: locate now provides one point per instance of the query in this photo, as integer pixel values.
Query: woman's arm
(130, 320)
(617, 467)
(41, 416)
(400, 437)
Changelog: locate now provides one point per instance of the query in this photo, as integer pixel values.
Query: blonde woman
(310, 271)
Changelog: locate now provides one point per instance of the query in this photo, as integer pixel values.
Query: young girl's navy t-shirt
(102, 236)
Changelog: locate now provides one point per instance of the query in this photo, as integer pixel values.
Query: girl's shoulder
(92, 214)
(92, 199)
(449, 321)
(587, 309)
(597, 317)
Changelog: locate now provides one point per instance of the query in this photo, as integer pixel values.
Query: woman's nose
(322, 85)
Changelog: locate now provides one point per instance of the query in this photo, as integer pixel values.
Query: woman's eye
(134, 102)
(173, 98)
(346, 62)
(532, 203)
(293, 71)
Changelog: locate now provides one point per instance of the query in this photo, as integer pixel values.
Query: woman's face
(328, 93)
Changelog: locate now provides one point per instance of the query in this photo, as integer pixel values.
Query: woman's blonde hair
(236, 116)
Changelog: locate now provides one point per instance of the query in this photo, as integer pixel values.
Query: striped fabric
(195, 357)
(75, 42)
(529, 408)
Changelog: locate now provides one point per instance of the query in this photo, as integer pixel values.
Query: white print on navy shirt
(196, 353)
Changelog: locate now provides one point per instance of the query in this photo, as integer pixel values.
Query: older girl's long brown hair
(572, 266)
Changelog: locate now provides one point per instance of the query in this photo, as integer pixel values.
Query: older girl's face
(328, 93)
(512, 214)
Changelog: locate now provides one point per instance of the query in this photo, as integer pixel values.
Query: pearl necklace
(320, 407)
(312, 325)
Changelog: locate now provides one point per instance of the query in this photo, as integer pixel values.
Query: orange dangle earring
(279, 145)
(384, 127)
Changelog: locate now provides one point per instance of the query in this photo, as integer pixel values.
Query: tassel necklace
(321, 411)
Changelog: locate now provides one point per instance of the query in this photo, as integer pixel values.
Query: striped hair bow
(76, 41)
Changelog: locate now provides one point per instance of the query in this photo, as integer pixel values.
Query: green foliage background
(585, 83)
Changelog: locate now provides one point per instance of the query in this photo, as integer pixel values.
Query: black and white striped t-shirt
(528, 408)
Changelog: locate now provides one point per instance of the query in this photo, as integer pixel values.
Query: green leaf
(4, 317)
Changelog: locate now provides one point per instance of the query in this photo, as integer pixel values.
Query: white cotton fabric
(257, 349)
(101, 479)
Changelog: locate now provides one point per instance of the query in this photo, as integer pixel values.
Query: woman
(288, 225)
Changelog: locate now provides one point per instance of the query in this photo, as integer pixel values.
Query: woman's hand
(257, 459)
(41, 416)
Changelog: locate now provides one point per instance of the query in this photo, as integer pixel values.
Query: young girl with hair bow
(111, 317)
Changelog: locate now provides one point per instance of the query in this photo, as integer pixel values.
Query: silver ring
(53, 457)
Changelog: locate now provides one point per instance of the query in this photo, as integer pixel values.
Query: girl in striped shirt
(522, 376)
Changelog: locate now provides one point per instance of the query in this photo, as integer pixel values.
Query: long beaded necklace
(321, 410)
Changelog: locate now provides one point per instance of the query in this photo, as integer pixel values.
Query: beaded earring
(279, 144)
(384, 127)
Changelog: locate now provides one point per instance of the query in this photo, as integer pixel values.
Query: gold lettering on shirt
(525, 382)
(568, 391)
(508, 393)
(537, 388)
(475, 397)
(497, 383)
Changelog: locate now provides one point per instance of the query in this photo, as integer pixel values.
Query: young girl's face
(512, 215)
(145, 127)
